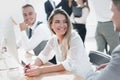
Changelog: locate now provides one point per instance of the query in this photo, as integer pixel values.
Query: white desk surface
(18, 74)
(64, 75)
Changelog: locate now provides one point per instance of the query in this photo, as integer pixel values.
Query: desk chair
(40, 47)
(97, 58)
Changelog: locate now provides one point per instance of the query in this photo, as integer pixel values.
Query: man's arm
(22, 26)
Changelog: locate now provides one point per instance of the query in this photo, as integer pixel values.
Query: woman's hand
(34, 71)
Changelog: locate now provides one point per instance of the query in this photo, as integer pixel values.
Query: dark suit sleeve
(48, 8)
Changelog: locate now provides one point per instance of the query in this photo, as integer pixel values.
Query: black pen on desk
(27, 66)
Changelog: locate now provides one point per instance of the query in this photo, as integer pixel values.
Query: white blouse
(82, 19)
(77, 60)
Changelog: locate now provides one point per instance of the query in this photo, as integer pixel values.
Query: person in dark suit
(49, 7)
(66, 5)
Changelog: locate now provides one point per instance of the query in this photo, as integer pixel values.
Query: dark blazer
(48, 8)
(65, 6)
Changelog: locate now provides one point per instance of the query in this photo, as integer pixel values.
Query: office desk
(18, 74)
(64, 75)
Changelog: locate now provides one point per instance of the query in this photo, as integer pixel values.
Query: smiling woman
(59, 26)
(66, 45)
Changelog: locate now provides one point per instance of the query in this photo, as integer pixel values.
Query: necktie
(30, 33)
(30, 30)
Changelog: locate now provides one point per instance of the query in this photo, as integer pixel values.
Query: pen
(25, 65)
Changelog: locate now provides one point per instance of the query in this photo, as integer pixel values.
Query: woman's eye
(30, 13)
(24, 15)
(56, 21)
(65, 21)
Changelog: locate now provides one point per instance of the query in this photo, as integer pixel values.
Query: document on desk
(64, 75)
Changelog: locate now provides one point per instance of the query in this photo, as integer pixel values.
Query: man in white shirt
(39, 33)
(105, 31)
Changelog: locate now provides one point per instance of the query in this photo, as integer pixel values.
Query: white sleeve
(84, 16)
(47, 53)
(75, 52)
(72, 18)
(77, 59)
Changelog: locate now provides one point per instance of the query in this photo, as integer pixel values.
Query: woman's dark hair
(84, 1)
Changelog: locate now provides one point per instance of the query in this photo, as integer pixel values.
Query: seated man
(34, 33)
